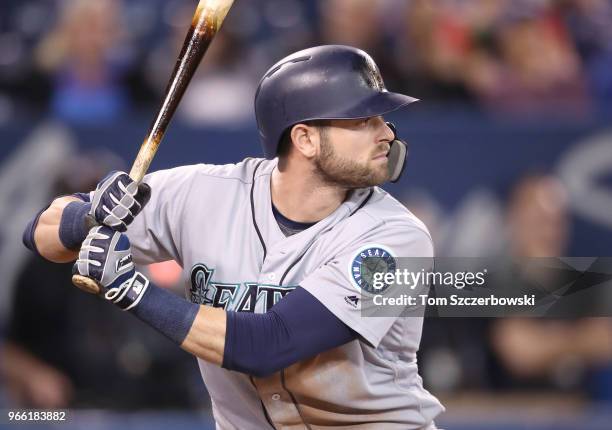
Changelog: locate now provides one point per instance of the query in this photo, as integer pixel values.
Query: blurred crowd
(572, 356)
(93, 61)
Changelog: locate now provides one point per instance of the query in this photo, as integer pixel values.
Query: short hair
(284, 144)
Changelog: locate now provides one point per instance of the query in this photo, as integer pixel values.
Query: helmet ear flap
(398, 152)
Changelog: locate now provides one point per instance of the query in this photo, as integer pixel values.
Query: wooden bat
(205, 24)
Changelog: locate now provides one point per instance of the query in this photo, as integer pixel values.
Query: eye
(360, 123)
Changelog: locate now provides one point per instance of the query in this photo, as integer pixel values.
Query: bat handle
(86, 284)
(83, 282)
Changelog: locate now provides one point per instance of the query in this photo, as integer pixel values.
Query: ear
(305, 139)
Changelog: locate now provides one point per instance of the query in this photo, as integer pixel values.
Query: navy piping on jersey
(293, 399)
(263, 407)
(263, 244)
(284, 333)
(289, 223)
(265, 411)
(364, 202)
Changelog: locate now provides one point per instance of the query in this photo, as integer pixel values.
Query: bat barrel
(204, 26)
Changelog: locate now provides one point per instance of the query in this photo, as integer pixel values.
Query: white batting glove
(117, 200)
(106, 257)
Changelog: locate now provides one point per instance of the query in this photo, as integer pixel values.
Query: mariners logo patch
(371, 261)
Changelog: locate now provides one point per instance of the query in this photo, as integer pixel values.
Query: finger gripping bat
(206, 22)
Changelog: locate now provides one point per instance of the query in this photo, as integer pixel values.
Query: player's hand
(117, 200)
(106, 257)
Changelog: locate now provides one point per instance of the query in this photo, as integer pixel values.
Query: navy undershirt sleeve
(296, 328)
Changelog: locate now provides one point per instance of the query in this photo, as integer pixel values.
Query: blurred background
(511, 155)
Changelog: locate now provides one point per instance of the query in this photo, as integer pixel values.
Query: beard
(347, 173)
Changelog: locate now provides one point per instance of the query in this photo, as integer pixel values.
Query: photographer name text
(453, 300)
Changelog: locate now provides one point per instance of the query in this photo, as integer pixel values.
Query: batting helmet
(324, 82)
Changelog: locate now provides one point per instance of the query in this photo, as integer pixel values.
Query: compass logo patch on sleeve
(370, 262)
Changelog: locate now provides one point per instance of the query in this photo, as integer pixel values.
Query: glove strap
(129, 294)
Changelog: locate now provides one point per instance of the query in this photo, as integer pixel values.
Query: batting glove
(106, 257)
(117, 200)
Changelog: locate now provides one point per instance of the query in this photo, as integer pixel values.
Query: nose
(387, 129)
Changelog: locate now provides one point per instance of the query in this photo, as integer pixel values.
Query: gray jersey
(217, 222)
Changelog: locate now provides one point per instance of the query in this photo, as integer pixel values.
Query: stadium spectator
(87, 56)
(567, 354)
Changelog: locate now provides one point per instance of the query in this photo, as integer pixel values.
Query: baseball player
(271, 250)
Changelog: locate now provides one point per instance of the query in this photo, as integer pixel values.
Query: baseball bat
(205, 24)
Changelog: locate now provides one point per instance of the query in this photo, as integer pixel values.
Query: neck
(300, 195)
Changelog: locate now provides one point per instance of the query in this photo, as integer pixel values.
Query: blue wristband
(72, 230)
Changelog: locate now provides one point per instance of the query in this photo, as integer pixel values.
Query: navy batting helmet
(324, 82)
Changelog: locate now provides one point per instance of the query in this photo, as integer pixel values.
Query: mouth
(381, 156)
(383, 153)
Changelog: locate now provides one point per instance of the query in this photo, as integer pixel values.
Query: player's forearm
(284, 334)
(206, 338)
(199, 330)
(46, 233)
